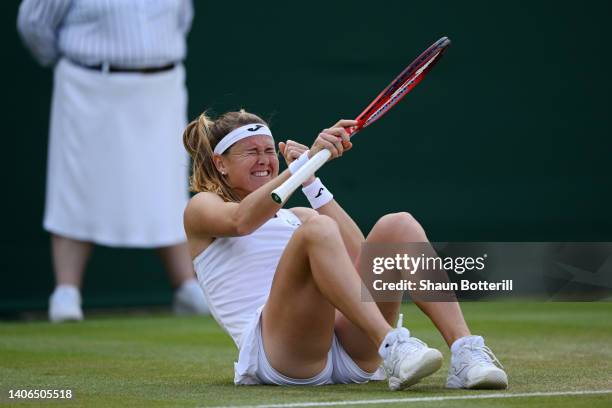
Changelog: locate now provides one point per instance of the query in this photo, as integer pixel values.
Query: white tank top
(236, 272)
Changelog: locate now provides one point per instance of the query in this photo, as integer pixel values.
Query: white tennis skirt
(117, 169)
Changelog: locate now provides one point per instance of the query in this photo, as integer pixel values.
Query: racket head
(401, 85)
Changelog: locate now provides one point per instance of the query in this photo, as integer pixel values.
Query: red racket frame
(404, 82)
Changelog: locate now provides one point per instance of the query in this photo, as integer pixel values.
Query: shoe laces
(483, 354)
(407, 344)
(412, 344)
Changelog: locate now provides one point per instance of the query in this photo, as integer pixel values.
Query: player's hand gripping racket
(389, 97)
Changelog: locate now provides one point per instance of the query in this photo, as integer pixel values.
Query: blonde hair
(200, 138)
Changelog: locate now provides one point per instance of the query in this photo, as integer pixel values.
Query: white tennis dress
(236, 274)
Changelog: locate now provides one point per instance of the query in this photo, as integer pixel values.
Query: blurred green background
(508, 139)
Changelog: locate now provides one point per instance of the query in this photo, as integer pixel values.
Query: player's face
(251, 163)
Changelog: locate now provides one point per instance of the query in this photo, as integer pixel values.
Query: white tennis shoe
(189, 299)
(406, 359)
(473, 365)
(65, 304)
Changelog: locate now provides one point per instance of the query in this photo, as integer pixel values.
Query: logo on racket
(253, 129)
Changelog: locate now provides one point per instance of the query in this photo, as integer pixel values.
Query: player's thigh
(297, 321)
(391, 228)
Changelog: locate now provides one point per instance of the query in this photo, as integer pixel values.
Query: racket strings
(400, 92)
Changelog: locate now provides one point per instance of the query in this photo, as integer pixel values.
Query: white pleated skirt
(117, 169)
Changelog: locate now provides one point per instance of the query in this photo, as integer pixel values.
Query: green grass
(160, 361)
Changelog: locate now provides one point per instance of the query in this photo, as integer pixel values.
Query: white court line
(421, 399)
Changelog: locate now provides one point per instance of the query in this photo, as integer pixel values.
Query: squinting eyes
(254, 153)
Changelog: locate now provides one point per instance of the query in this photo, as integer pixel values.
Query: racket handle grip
(282, 192)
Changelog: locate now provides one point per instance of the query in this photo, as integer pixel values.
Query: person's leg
(314, 277)
(69, 259)
(447, 317)
(177, 262)
(469, 352)
(188, 297)
(392, 228)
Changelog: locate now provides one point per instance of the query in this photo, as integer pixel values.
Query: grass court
(159, 360)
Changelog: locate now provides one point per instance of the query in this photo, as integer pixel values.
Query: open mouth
(263, 173)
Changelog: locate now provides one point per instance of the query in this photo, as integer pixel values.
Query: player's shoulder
(202, 201)
(205, 196)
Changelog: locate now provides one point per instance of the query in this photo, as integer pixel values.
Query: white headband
(252, 129)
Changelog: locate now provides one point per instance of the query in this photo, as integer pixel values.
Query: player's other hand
(291, 150)
(334, 139)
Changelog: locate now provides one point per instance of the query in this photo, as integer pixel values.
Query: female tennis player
(282, 282)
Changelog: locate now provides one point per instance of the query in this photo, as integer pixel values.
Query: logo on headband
(253, 129)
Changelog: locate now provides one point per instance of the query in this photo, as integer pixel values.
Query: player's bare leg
(315, 276)
(392, 228)
(484, 371)
(447, 317)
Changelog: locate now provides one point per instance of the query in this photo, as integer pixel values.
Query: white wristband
(317, 194)
(299, 162)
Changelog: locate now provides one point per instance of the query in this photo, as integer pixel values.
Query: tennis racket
(389, 97)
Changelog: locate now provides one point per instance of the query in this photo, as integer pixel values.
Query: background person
(282, 282)
(116, 171)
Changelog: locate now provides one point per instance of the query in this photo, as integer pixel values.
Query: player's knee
(319, 228)
(401, 226)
